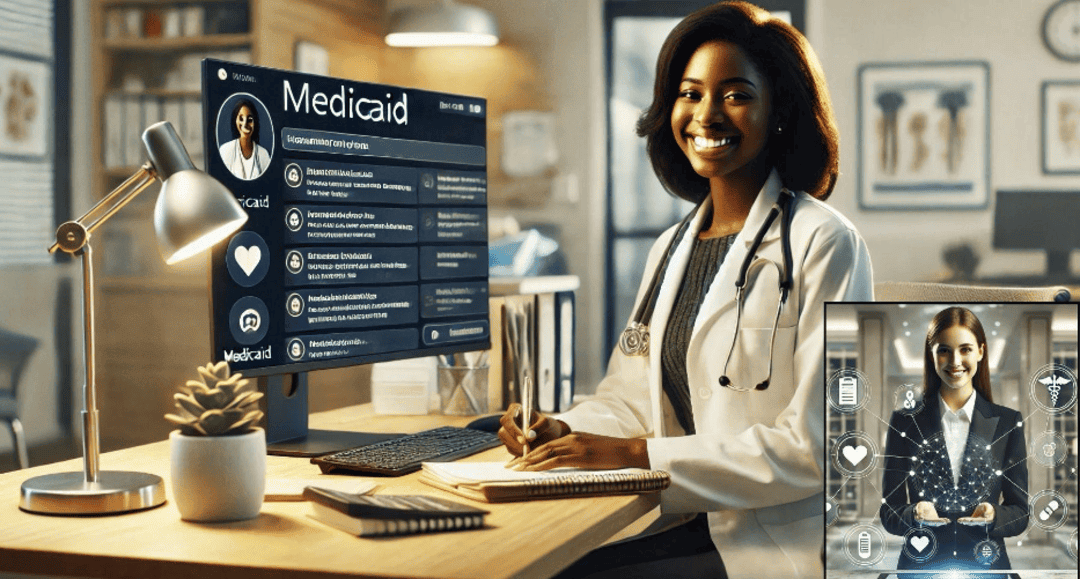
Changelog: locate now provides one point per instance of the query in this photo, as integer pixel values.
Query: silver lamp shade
(446, 23)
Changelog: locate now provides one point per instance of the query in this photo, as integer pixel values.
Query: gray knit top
(705, 259)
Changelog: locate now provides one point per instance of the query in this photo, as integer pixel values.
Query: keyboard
(403, 455)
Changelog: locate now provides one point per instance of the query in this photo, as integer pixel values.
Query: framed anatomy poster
(1061, 127)
(923, 135)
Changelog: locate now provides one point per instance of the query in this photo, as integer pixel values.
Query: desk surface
(520, 540)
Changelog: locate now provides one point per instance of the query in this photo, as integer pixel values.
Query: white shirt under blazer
(756, 464)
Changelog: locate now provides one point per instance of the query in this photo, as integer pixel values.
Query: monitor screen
(367, 232)
(1037, 220)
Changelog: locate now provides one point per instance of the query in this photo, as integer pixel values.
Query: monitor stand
(287, 432)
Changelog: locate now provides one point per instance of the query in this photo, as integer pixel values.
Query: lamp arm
(74, 235)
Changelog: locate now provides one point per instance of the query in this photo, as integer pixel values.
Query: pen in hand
(526, 412)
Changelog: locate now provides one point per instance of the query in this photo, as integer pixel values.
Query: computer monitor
(1046, 220)
(367, 231)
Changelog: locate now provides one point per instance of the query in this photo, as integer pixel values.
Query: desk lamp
(193, 212)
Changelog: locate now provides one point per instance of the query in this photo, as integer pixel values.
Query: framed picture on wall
(1061, 127)
(26, 94)
(923, 135)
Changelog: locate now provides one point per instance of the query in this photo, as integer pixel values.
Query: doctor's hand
(541, 429)
(585, 450)
(926, 513)
(982, 515)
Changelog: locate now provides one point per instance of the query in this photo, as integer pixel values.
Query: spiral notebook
(494, 483)
(378, 515)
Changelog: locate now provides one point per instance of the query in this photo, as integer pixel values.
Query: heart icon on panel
(920, 542)
(248, 258)
(828, 507)
(855, 454)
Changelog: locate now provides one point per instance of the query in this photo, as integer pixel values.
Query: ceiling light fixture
(446, 23)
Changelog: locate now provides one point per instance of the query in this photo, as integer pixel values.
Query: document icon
(848, 391)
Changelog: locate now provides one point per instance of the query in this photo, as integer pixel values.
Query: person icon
(295, 305)
(296, 349)
(250, 321)
(294, 220)
(293, 176)
(294, 262)
(243, 155)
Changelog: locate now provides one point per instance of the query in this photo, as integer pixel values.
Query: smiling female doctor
(728, 397)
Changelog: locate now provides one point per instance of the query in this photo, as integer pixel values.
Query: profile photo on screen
(244, 146)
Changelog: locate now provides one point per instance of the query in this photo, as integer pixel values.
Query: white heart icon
(855, 454)
(828, 507)
(920, 542)
(248, 257)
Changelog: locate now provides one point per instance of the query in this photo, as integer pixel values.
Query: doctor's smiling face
(720, 118)
(245, 121)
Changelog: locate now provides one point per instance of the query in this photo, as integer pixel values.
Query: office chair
(15, 352)
(907, 291)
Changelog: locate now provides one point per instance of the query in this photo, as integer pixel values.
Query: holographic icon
(1053, 384)
(986, 552)
(849, 388)
(1049, 510)
(854, 454)
(864, 545)
(909, 400)
(920, 543)
(1049, 449)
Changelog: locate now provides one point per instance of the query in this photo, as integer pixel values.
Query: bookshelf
(153, 319)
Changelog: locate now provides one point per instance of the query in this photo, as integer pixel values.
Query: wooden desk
(520, 540)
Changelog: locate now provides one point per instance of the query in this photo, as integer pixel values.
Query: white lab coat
(234, 159)
(756, 464)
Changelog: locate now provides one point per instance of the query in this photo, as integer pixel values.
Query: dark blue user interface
(367, 231)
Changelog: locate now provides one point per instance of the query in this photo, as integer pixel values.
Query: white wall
(907, 245)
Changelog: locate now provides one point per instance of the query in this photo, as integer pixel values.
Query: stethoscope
(634, 340)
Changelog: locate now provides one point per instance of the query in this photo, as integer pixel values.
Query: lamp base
(68, 493)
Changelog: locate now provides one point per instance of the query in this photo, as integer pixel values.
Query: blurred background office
(884, 343)
(941, 106)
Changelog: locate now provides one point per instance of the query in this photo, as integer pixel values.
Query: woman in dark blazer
(968, 490)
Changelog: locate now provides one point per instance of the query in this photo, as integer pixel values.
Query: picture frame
(26, 92)
(923, 135)
(1060, 127)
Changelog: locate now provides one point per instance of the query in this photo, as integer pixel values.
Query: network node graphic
(932, 475)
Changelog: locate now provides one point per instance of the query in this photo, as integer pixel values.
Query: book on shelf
(380, 515)
(494, 483)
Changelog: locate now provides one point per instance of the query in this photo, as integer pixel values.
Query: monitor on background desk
(1044, 220)
(367, 236)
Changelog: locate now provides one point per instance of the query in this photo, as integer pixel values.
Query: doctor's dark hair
(254, 113)
(806, 153)
(945, 319)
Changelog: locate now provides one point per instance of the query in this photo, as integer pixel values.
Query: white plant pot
(218, 478)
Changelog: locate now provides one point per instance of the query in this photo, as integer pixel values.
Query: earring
(779, 129)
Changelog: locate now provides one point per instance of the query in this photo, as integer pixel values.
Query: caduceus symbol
(1053, 384)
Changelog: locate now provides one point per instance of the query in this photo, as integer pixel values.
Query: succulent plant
(219, 404)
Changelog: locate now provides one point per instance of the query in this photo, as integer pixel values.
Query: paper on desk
(485, 472)
(292, 489)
